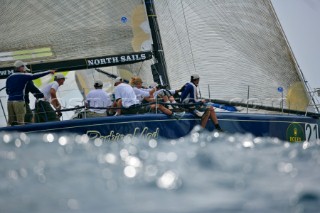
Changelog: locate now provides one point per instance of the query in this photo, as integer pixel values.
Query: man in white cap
(15, 88)
(30, 88)
(189, 95)
(48, 113)
(97, 101)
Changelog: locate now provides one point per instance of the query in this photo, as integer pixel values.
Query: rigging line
(4, 113)
(185, 20)
(140, 68)
(313, 99)
(92, 73)
(175, 28)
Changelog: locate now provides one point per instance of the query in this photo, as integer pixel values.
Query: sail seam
(194, 66)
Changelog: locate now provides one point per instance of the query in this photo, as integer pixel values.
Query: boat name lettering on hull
(116, 59)
(115, 136)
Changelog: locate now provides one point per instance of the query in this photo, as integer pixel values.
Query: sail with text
(74, 35)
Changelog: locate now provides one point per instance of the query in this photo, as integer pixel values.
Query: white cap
(59, 76)
(118, 79)
(98, 83)
(195, 76)
(18, 64)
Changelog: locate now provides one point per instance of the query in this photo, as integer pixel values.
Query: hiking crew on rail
(129, 99)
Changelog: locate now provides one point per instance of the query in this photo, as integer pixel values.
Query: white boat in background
(237, 47)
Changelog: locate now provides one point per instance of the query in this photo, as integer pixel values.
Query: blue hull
(285, 127)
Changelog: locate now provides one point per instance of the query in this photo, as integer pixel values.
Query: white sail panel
(234, 46)
(71, 29)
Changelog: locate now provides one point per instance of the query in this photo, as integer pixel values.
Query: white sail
(68, 29)
(234, 46)
(46, 31)
(237, 47)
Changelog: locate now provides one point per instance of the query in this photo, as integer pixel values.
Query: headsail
(69, 35)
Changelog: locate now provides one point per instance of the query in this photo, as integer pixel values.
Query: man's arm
(54, 99)
(40, 74)
(35, 91)
(188, 90)
(193, 97)
(152, 91)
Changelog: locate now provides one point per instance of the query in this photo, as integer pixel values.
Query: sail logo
(115, 136)
(116, 59)
(295, 133)
(6, 72)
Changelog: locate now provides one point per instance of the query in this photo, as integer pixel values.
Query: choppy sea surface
(200, 173)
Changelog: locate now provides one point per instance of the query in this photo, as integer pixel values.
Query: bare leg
(213, 115)
(118, 105)
(167, 111)
(214, 119)
(162, 109)
(165, 98)
(205, 118)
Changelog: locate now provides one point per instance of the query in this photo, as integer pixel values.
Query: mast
(159, 69)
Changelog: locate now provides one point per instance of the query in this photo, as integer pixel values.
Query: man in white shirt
(126, 97)
(50, 91)
(99, 99)
(48, 113)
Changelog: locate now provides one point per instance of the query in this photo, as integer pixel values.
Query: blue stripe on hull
(285, 127)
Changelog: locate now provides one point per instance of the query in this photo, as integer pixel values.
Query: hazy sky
(300, 21)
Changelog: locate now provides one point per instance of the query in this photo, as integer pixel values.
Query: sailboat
(238, 48)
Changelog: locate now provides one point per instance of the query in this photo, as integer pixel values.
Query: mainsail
(237, 47)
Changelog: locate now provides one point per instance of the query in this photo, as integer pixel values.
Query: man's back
(98, 98)
(189, 94)
(15, 86)
(46, 90)
(127, 95)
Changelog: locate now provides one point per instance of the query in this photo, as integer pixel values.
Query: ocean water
(200, 173)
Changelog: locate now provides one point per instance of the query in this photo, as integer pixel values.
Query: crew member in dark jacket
(189, 95)
(15, 88)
